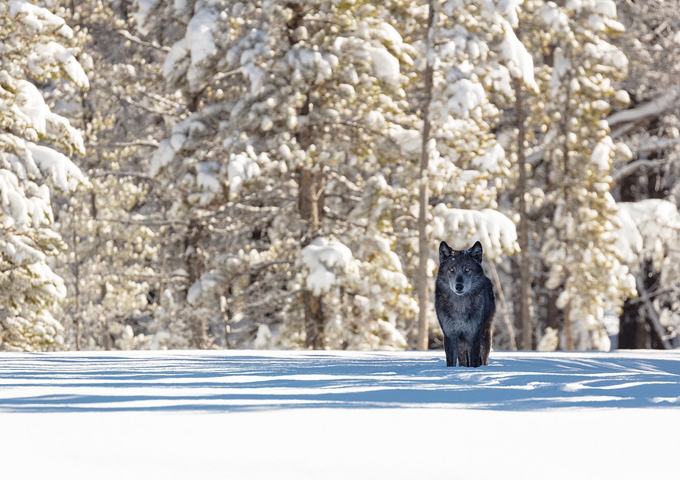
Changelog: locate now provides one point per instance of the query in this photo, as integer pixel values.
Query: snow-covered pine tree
(475, 58)
(579, 246)
(291, 110)
(648, 234)
(32, 139)
(116, 230)
(520, 130)
(650, 126)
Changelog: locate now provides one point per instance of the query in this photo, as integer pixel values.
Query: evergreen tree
(579, 247)
(116, 230)
(475, 55)
(291, 107)
(32, 165)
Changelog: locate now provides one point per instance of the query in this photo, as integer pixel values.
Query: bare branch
(627, 120)
(144, 223)
(123, 145)
(230, 73)
(659, 144)
(346, 181)
(654, 316)
(652, 109)
(106, 173)
(271, 300)
(139, 41)
(631, 167)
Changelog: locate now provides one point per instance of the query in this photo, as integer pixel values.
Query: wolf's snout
(459, 284)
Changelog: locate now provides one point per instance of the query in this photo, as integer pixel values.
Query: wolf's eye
(467, 270)
(451, 270)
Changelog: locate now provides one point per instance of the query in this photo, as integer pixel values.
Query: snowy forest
(278, 174)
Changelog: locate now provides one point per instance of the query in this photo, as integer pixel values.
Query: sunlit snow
(338, 415)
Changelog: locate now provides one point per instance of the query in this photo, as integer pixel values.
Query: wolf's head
(461, 271)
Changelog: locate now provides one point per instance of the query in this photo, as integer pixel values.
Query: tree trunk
(552, 312)
(568, 336)
(653, 317)
(310, 206)
(165, 235)
(311, 210)
(525, 279)
(195, 264)
(102, 286)
(503, 306)
(314, 321)
(224, 309)
(424, 192)
(515, 290)
(310, 203)
(107, 333)
(76, 272)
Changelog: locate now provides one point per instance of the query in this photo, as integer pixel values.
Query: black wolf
(465, 306)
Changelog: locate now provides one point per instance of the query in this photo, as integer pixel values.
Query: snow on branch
(625, 118)
(323, 261)
(37, 19)
(47, 54)
(629, 168)
(139, 41)
(519, 61)
(647, 229)
(461, 228)
(653, 108)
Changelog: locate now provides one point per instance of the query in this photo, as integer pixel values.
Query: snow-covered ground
(345, 415)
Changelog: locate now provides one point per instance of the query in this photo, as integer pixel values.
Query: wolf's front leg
(474, 354)
(463, 353)
(451, 347)
(447, 349)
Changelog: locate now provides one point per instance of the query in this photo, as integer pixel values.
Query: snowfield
(344, 415)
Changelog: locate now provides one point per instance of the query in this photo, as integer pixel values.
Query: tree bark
(653, 316)
(165, 235)
(568, 336)
(311, 210)
(76, 273)
(314, 321)
(195, 264)
(311, 186)
(107, 333)
(310, 201)
(224, 309)
(310, 204)
(424, 191)
(525, 279)
(551, 310)
(503, 306)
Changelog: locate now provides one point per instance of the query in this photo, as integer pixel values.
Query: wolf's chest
(459, 323)
(459, 315)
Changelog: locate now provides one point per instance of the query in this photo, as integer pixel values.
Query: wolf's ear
(476, 252)
(444, 252)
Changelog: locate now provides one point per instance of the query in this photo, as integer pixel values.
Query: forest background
(278, 174)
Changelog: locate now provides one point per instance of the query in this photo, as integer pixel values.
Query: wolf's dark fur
(465, 306)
